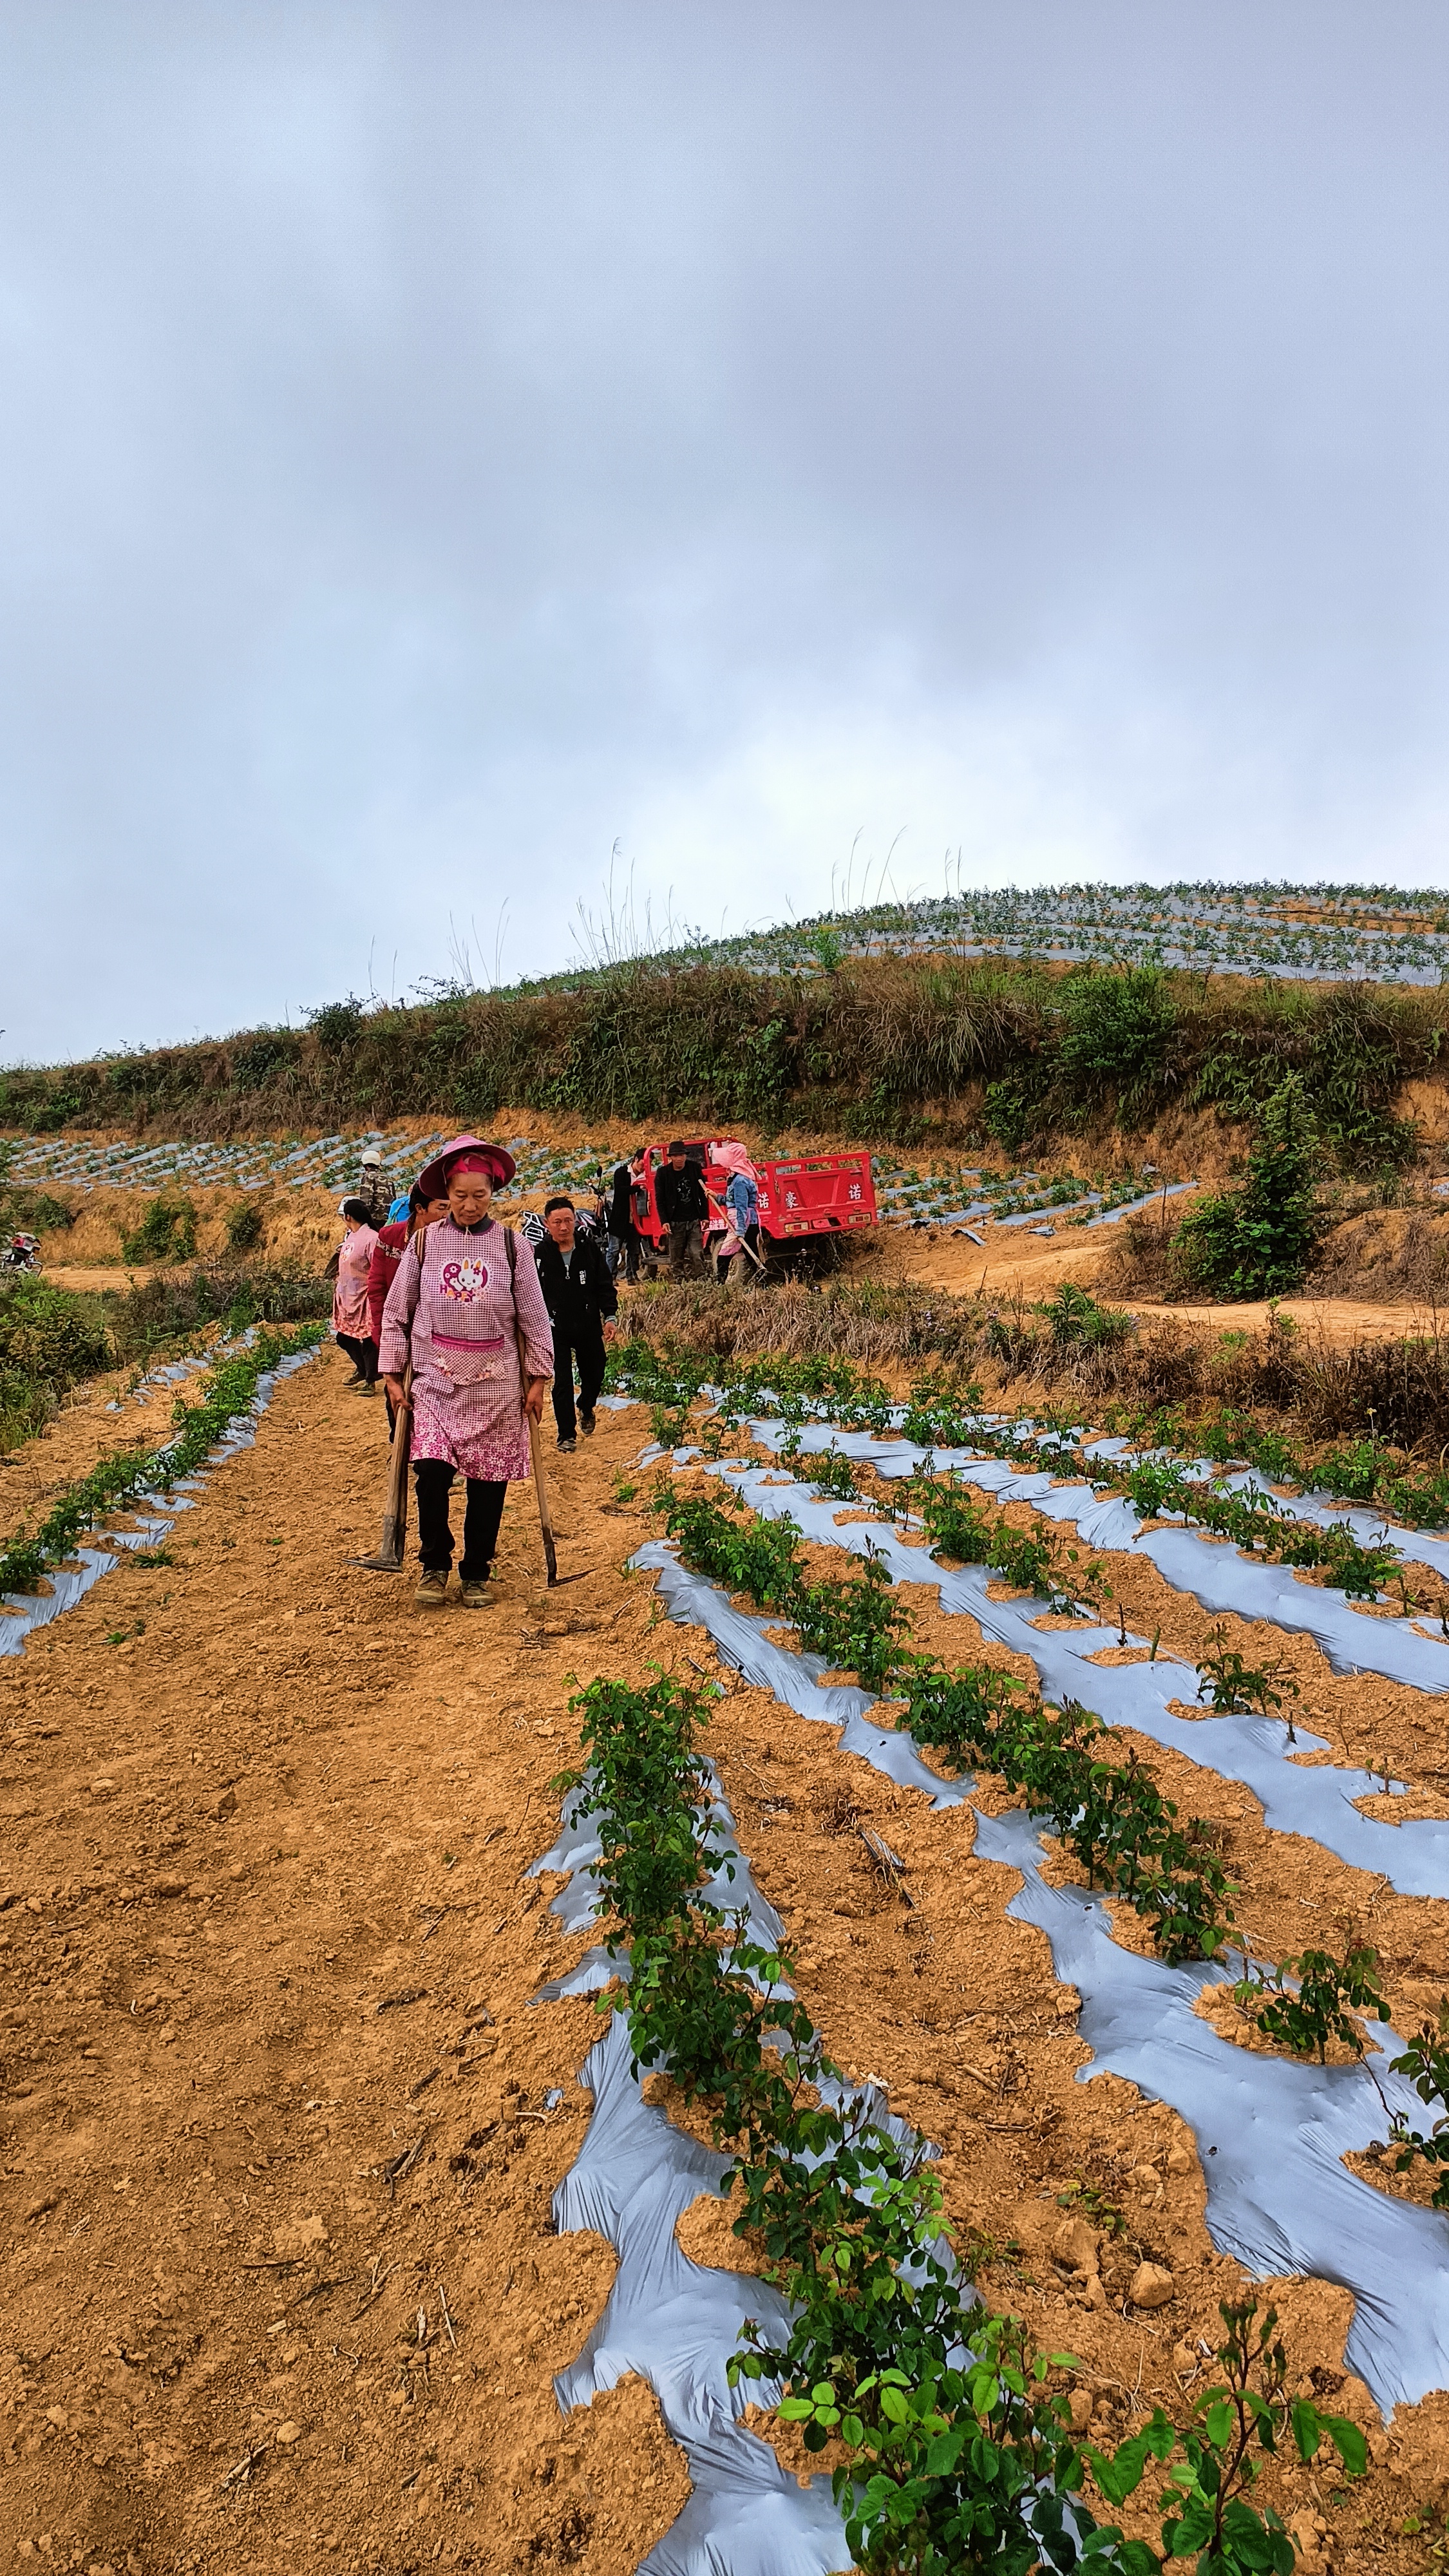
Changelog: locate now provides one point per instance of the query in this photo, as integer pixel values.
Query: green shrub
(1255, 1241)
(165, 1233)
(244, 1226)
(1116, 1033)
(173, 1310)
(50, 1340)
(1079, 1323)
(1307, 2001)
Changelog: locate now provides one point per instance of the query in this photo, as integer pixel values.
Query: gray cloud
(441, 440)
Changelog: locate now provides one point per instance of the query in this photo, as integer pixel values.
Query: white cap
(371, 1156)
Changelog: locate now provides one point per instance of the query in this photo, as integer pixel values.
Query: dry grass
(1387, 1256)
(872, 1323)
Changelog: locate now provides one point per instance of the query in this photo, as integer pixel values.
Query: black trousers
(361, 1349)
(480, 1521)
(584, 1343)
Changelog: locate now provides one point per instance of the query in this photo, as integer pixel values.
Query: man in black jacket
(581, 1297)
(682, 1204)
(623, 1237)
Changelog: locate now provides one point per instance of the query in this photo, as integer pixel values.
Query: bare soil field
(281, 2120)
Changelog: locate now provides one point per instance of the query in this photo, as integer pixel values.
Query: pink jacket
(349, 1297)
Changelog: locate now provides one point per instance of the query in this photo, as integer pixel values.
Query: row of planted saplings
(126, 1477)
(949, 2447)
(1104, 1805)
(945, 1411)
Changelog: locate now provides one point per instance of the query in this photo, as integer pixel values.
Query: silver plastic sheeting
(1317, 1506)
(793, 1678)
(1270, 2134)
(676, 2323)
(672, 2321)
(1314, 1800)
(23, 1612)
(1214, 1573)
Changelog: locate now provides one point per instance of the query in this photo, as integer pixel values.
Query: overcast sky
(438, 442)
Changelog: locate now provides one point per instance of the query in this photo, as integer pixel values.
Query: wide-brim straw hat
(433, 1179)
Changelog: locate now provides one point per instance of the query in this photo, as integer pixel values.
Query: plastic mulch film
(1315, 1505)
(23, 1612)
(672, 2321)
(1212, 1573)
(1315, 1800)
(1270, 2134)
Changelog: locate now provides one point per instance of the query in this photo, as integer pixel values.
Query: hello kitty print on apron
(463, 1280)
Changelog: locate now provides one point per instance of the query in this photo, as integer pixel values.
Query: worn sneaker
(478, 1596)
(586, 1425)
(432, 1591)
(568, 1444)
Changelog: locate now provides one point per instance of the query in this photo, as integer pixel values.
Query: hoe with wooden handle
(540, 1481)
(389, 1557)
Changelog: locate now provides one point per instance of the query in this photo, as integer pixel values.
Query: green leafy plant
(942, 1412)
(1231, 1685)
(1309, 2000)
(1256, 1241)
(828, 1470)
(1024, 1558)
(957, 1527)
(758, 1557)
(856, 1623)
(244, 1226)
(165, 1233)
(1426, 2063)
(1242, 2416)
(1078, 1322)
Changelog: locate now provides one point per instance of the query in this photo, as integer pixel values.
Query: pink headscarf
(730, 1154)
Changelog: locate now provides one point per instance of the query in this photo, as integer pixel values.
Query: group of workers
(685, 1209)
(466, 1322)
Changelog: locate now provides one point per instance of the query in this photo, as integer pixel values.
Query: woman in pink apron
(462, 1291)
(351, 1323)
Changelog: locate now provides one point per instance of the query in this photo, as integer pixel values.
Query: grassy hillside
(968, 1051)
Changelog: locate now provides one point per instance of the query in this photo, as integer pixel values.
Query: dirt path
(1005, 1268)
(266, 1931)
(236, 1845)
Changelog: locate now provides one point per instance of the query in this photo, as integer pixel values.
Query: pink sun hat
(433, 1179)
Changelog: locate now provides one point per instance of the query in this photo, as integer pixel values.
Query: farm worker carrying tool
(466, 1299)
(582, 1301)
(417, 1214)
(372, 1187)
(679, 1195)
(351, 1326)
(740, 1244)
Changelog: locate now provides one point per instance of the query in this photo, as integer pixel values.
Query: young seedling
(1426, 2063)
(1320, 2006)
(1249, 2411)
(1235, 1687)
